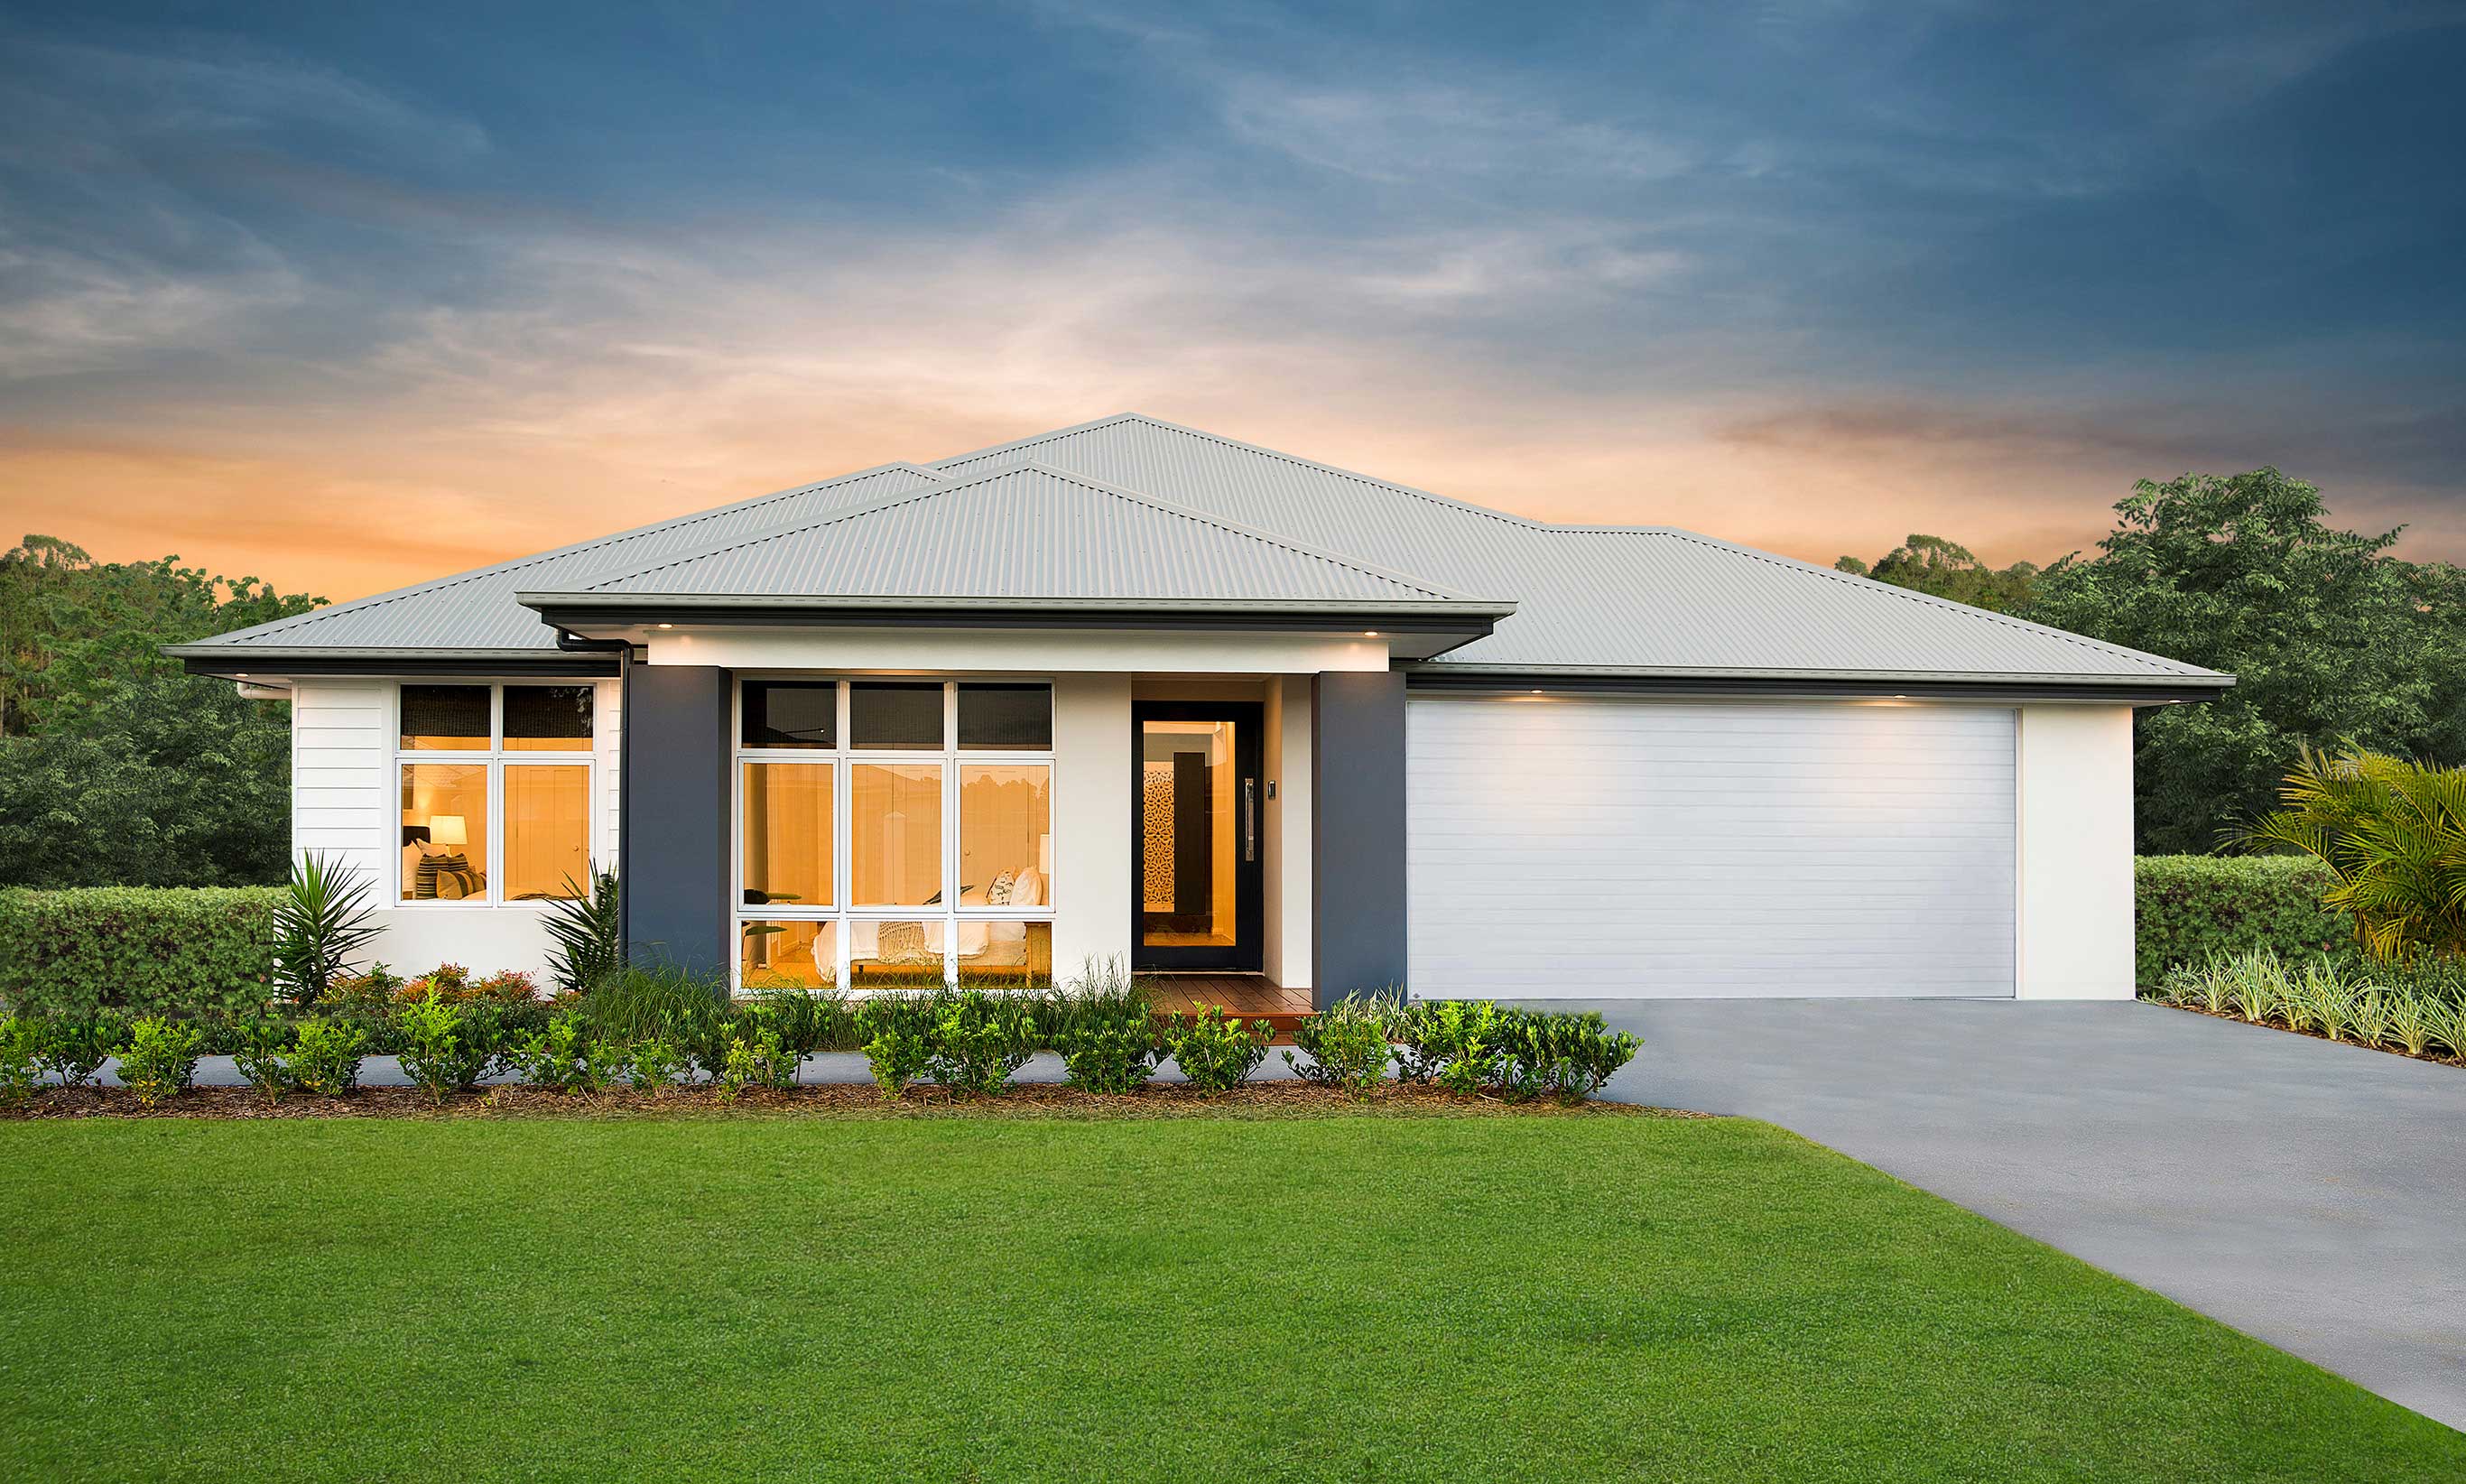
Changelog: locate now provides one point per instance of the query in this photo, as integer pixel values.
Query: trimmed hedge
(176, 950)
(2193, 905)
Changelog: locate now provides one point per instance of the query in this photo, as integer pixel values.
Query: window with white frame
(495, 793)
(893, 833)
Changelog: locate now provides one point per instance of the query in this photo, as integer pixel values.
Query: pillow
(1026, 889)
(433, 871)
(998, 894)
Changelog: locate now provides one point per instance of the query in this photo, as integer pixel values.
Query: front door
(1196, 810)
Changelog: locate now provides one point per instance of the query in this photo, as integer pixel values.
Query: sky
(348, 297)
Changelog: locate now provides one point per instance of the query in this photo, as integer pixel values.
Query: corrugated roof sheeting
(476, 610)
(1610, 598)
(1020, 532)
(1613, 597)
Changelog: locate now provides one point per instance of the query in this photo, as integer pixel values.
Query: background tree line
(117, 769)
(2330, 637)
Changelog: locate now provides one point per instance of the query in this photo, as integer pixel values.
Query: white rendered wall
(1092, 821)
(1286, 947)
(2076, 921)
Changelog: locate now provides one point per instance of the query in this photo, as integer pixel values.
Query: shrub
(2194, 907)
(450, 982)
(146, 949)
(506, 986)
(372, 990)
(21, 1058)
(550, 1057)
(2392, 834)
(160, 1059)
(1566, 1056)
(641, 1002)
(1452, 1043)
(756, 1058)
(587, 927)
(1215, 1052)
(321, 922)
(896, 1031)
(978, 1041)
(74, 1046)
(326, 1055)
(806, 1021)
(1112, 1049)
(654, 1064)
(261, 1053)
(1347, 1045)
(444, 1046)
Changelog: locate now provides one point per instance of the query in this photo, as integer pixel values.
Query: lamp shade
(446, 829)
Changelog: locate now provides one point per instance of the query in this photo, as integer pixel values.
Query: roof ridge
(517, 564)
(952, 484)
(1505, 517)
(1558, 528)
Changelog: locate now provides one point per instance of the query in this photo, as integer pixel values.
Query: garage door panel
(1648, 849)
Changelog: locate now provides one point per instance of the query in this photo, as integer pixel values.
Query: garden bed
(1280, 1099)
(2441, 1057)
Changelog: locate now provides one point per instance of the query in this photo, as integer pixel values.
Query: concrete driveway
(2309, 1194)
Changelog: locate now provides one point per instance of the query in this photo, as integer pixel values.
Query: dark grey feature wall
(1357, 835)
(675, 806)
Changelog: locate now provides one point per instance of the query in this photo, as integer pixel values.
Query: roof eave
(1818, 683)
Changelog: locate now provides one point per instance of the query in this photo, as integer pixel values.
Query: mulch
(1280, 1099)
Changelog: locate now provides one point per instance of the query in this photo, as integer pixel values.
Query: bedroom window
(505, 813)
(893, 833)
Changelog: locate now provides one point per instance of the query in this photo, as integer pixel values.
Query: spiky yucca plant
(323, 921)
(2394, 834)
(587, 931)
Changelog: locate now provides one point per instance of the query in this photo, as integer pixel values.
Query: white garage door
(1625, 849)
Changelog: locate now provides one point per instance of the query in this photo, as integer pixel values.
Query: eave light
(667, 626)
(1369, 633)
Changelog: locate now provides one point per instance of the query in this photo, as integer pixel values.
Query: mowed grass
(1349, 1299)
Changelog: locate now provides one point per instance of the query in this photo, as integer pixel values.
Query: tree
(1945, 569)
(2393, 833)
(2329, 638)
(116, 768)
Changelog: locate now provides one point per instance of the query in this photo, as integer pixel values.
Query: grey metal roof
(1020, 533)
(474, 612)
(1589, 601)
(1648, 601)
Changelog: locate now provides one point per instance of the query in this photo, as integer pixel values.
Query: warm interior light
(447, 829)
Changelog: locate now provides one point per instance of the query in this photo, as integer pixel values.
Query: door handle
(1249, 820)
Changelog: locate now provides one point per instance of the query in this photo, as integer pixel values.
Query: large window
(894, 833)
(495, 793)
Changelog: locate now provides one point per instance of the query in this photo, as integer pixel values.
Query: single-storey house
(1133, 691)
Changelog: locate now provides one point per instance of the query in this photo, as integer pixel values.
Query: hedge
(2192, 906)
(175, 949)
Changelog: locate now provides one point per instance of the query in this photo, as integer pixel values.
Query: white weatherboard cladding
(1635, 849)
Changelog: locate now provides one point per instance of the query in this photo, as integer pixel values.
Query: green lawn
(1381, 1299)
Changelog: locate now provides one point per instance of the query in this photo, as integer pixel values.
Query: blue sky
(351, 296)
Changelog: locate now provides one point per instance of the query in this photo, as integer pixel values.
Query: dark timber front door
(1195, 813)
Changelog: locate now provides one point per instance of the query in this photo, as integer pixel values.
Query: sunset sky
(353, 299)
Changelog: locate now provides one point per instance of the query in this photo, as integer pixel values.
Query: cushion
(998, 894)
(1027, 888)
